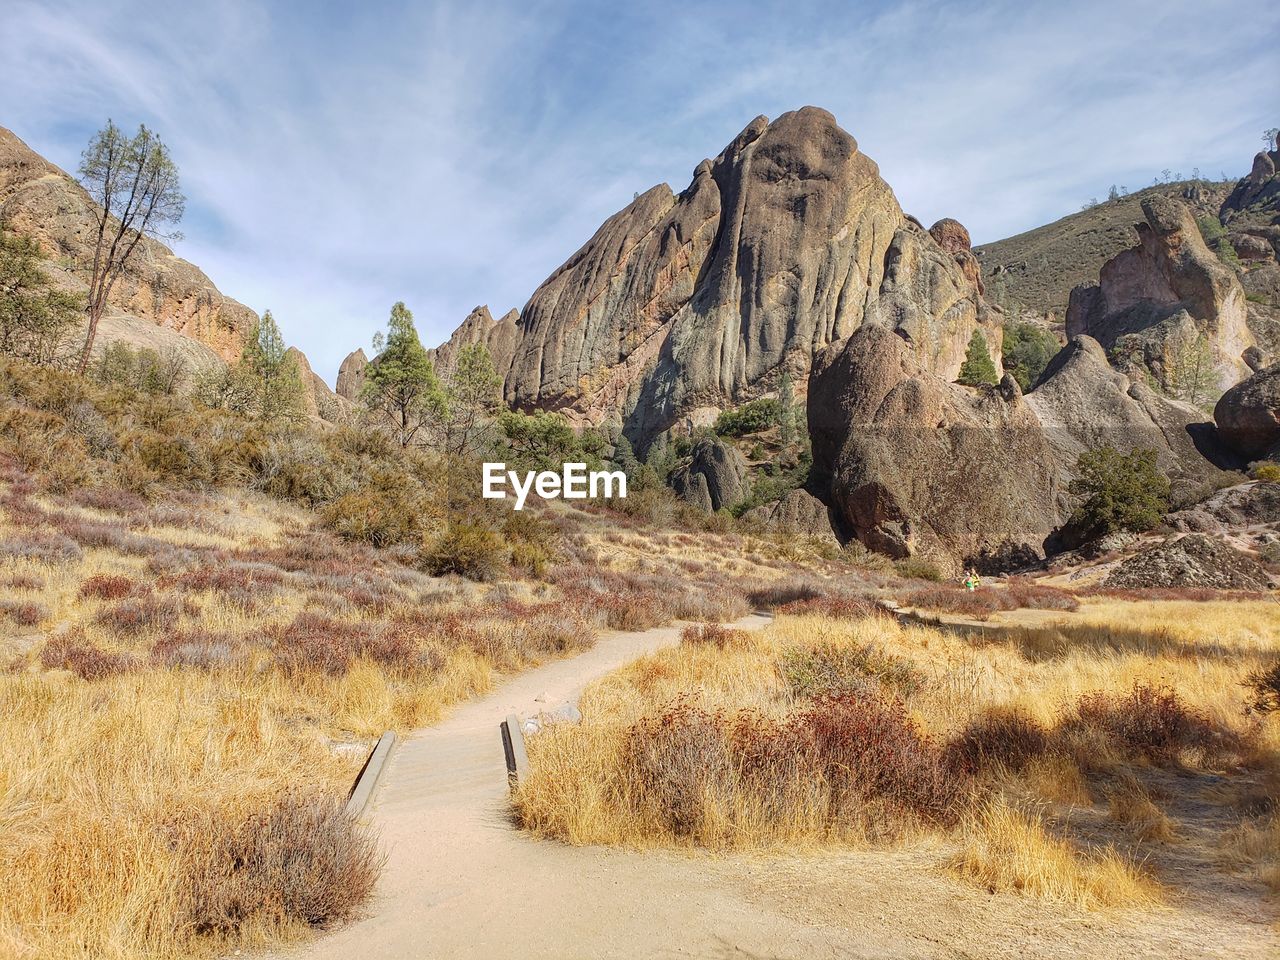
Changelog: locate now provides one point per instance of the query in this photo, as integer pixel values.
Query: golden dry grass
(1019, 836)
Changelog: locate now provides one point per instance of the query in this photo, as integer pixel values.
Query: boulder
(1237, 508)
(714, 478)
(1248, 415)
(1193, 560)
(799, 512)
(1082, 402)
(915, 464)
(1160, 302)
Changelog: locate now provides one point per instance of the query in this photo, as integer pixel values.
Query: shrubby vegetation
(978, 368)
(1028, 348)
(1121, 491)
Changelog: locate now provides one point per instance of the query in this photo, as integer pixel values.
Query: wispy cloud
(338, 157)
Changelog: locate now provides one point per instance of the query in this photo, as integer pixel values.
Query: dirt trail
(461, 882)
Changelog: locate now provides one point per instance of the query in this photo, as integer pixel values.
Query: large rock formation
(158, 290)
(915, 464)
(787, 241)
(1193, 560)
(1248, 415)
(799, 512)
(1259, 192)
(319, 402)
(1168, 305)
(351, 375)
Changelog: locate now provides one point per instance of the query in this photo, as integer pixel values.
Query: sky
(340, 156)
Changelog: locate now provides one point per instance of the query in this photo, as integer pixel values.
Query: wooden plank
(367, 780)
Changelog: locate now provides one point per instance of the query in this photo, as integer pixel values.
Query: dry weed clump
(1148, 723)
(1017, 593)
(138, 615)
(87, 661)
(1000, 737)
(300, 860)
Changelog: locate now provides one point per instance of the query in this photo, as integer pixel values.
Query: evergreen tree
(978, 367)
(37, 320)
(472, 395)
(1120, 491)
(271, 375)
(401, 383)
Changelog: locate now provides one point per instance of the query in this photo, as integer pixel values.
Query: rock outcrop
(914, 464)
(1248, 415)
(714, 479)
(1193, 560)
(787, 241)
(499, 337)
(1259, 192)
(1168, 304)
(158, 289)
(351, 375)
(799, 513)
(319, 402)
(1082, 402)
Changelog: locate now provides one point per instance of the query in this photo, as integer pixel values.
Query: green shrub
(1120, 491)
(755, 416)
(471, 551)
(1267, 471)
(918, 568)
(1028, 348)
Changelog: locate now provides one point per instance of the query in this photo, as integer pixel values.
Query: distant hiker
(971, 580)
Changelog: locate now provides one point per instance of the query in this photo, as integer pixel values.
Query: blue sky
(338, 157)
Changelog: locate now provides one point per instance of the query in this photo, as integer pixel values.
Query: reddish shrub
(23, 612)
(140, 615)
(313, 641)
(773, 595)
(227, 578)
(109, 499)
(42, 547)
(24, 581)
(106, 586)
(711, 634)
(838, 606)
(1150, 722)
(72, 652)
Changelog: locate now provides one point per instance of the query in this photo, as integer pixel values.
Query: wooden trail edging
(370, 774)
(513, 748)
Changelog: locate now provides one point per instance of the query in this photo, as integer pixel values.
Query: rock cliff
(787, 241)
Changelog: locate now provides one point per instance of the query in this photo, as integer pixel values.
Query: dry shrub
(1132, 807)
(109, 499)
(107, 586)
(313, 641)
(42, 547)
(713, 634)
(998, 738)
(470, 551)
(1149, 723)
(1007, 851)
(1264, 685)
(25, 613)
(1018, 593)
(512, 634)
(145, 614)
(839, 606)
(774, 595)
(228, 578)
(111, 535)
(303, 860)
(830, 669)
(72, 652)
(845, 766)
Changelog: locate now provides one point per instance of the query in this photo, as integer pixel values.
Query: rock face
(1082, 402)
(1259, 190)
(1193, 560)
(1168, 303)
(914, 464)
(158, 290)
(318, 400)
(351, 375)
(715, 479)
(787, 241)
(1248, 415)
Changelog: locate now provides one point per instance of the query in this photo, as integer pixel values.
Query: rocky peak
(351, 375)
(787, 241)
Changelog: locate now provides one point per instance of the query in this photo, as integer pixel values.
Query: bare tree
(134, 182)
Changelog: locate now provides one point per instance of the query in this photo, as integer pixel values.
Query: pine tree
(401, 383)
(978, 367)
(273, 382)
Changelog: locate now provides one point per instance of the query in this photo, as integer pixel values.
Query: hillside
(1036, 270)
